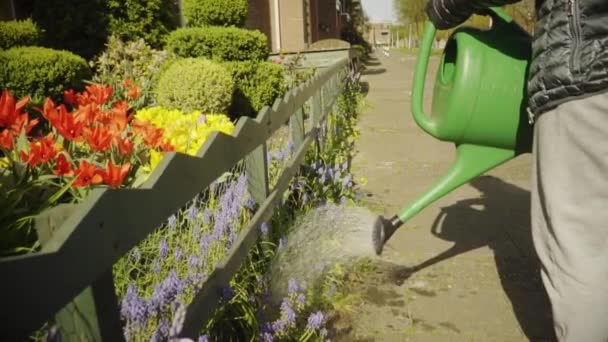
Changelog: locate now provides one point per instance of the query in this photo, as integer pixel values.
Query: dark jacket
(569, 50)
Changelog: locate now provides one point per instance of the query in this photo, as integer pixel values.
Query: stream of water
(326, 236)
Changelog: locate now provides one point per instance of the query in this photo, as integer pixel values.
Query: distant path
(486, 286)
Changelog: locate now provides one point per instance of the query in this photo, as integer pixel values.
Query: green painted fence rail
(71, 276)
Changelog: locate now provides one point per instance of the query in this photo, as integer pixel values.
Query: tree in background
(412, 12)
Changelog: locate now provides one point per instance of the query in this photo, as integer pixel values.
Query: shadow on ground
(499, 220)
(372, 62)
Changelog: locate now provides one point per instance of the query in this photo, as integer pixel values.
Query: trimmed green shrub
(41, 72)
(195, 84)
(19, 33)
(74, 25)
(257, 84)
(219, 43)
(215, 12)
(151, 20)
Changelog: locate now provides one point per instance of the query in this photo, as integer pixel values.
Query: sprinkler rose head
(382, 231)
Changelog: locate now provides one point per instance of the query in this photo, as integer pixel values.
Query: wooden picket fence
(71, 276)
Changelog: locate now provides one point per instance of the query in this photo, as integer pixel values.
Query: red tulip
(63, 167)
(6, 139)
(9, 110)
(87, 174)
(115, 175)
(99, 138)
(125, 145)
(41, 151)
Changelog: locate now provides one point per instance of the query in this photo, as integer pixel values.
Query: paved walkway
(480, 281)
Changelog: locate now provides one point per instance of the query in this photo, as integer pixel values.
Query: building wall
(301, 22)
(328, 25)
(379, 34)
(293, 36)
(259, 18)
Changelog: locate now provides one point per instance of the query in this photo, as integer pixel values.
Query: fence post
(316, 108)
(93, 315)
(256, 166)
(297, 127)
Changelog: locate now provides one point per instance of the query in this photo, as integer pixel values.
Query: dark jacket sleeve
(449, 13)
(480, 4)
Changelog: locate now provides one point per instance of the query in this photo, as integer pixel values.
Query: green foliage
(19, 33)
(219, 43)
(215, 12)
(151, 20)
(74, 25)
(41, 72)
(295, 71)
(195, 84)
(257, 84)
(135, 61)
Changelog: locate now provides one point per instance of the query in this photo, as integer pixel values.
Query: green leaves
(41, 72)
(195, 84)
(151, 20)
(219, 43)
(257, 84)
(215, 12)
(19, 33)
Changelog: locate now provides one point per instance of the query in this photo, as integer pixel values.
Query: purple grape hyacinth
(163, 248)
(178, 320)
(133, 307)
(292, 286)
(172, 221)
(193, 212)
(156, 266)
(315, 320)
(287, 313)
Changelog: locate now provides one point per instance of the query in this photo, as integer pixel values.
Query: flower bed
(94, 138)
(157, 279)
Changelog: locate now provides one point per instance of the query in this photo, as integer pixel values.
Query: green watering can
(478, 103)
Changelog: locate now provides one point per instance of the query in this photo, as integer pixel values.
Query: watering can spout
(471, 161)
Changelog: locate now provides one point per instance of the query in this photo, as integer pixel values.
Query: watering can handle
(422, 62)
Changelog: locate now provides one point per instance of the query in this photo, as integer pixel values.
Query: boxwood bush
(41, 72)
(215, 12)
(195, 84)
(74, 25)
(257, 84)
(19, 33)
(219, 43)
(151, 20)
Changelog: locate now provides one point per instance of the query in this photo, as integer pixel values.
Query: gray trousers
(570, 215)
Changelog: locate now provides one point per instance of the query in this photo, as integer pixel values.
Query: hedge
(151, 20)
(215, 12)
(41, 72)
(195, 84)
(257, 84)
(19, 33)
(74, 25)
(219, 43)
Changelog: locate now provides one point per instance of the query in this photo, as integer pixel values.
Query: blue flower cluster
(293, 305)
(193, 241)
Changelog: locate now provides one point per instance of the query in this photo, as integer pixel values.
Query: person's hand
(446, 14)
